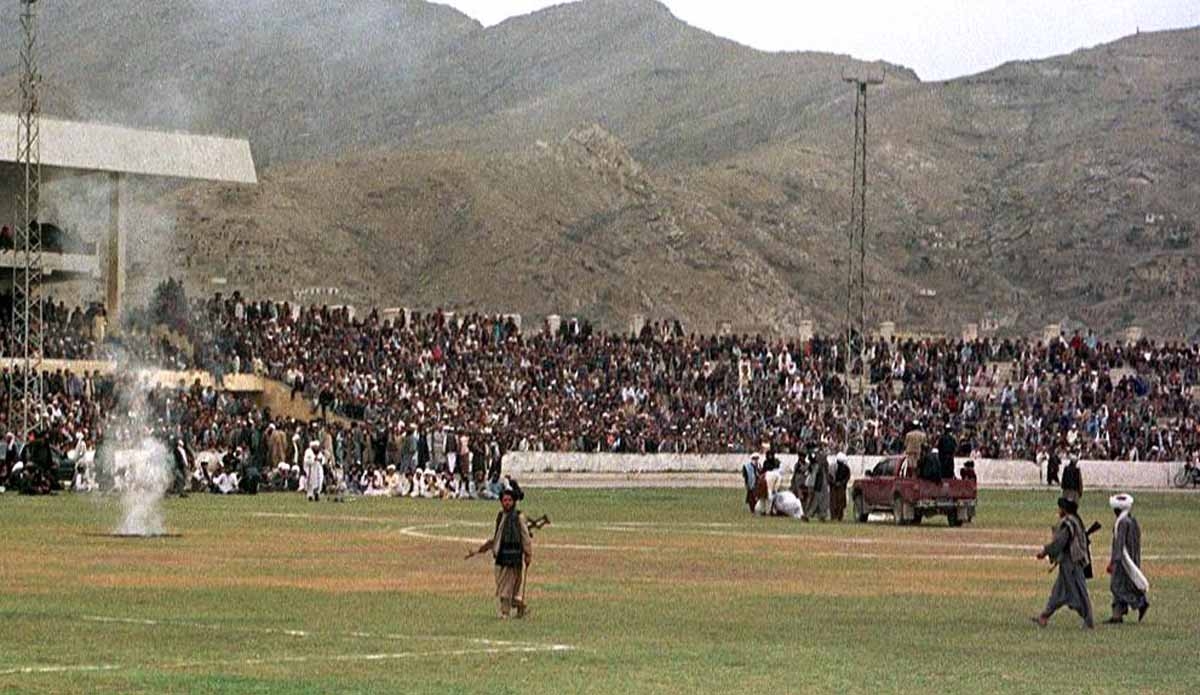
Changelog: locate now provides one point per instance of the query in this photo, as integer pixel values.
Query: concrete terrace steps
(277, 396)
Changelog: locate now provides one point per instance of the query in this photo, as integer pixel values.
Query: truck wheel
(899, 511)
(860, 509)
(952, 517)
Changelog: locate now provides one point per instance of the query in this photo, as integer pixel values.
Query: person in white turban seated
(774, 499)
(1128, 584)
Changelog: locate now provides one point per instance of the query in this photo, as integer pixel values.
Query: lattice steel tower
(856, 274)
(25, 395)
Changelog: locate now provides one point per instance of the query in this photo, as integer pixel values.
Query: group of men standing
(815, 490)
(930, 460)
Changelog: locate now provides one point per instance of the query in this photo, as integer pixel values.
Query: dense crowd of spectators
(68, 333)
(424, 390)
(667, 391)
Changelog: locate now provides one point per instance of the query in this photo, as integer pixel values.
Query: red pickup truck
(911, 499)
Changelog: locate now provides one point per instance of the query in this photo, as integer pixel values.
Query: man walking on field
(1128, 584)
(512, 546)
(1069, 549)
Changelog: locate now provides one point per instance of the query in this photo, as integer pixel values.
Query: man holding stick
(512, 546)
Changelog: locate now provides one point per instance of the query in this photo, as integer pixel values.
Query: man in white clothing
(314, 471)
(226, 482)
(780, 501)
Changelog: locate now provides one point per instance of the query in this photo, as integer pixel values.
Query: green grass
(661, 591)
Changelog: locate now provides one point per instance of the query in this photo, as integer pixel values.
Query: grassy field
(647, 591)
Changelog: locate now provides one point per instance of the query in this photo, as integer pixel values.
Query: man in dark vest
(1069, 550)
(1072, 480)
(837, 491)
(947, 447)
(750, 476)
(1052, 466)
(931, 466)
(512, 547)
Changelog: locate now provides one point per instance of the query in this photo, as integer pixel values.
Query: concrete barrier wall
(991, 473)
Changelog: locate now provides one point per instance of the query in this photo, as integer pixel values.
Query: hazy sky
(938, 38)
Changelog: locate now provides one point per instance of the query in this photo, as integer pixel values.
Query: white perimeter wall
(991, 473)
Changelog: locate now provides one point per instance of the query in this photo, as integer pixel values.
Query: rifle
(531, 524)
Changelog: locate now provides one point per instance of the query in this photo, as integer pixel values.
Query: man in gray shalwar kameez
(818, 473)
(1070, 550)
(1128, 584)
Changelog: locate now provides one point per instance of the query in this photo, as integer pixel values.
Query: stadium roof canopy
(101, 147)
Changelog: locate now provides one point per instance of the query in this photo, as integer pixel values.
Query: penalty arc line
(699, 528)
(416, 532)
(708, 529)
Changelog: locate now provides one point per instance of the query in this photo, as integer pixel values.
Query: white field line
(708, 529)
(484, 647)
(712, 529)
(901, 556)
(76, 668)
(286, 659)
(418, 532)
(287, 632)
(323, 517)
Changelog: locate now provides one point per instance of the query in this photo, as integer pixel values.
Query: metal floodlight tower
(856, 261)
(25, 394)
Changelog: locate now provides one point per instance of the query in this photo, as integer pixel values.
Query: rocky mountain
(603, 158)
(299, 78)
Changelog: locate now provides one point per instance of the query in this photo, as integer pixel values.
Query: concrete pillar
(114, 275)
(636, 323)
(806, 331)
(1051, 333)
(887, 330)
(1134, 334)
(970, 332)
(553, 323)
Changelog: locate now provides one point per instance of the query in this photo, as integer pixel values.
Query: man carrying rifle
(512, 546)
(1069, 550)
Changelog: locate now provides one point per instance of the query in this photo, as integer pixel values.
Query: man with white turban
(1128, 584)
(314, 471)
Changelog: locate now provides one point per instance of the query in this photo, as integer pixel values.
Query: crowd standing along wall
(724, 470)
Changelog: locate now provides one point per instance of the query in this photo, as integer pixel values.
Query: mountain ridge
(717, 187)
